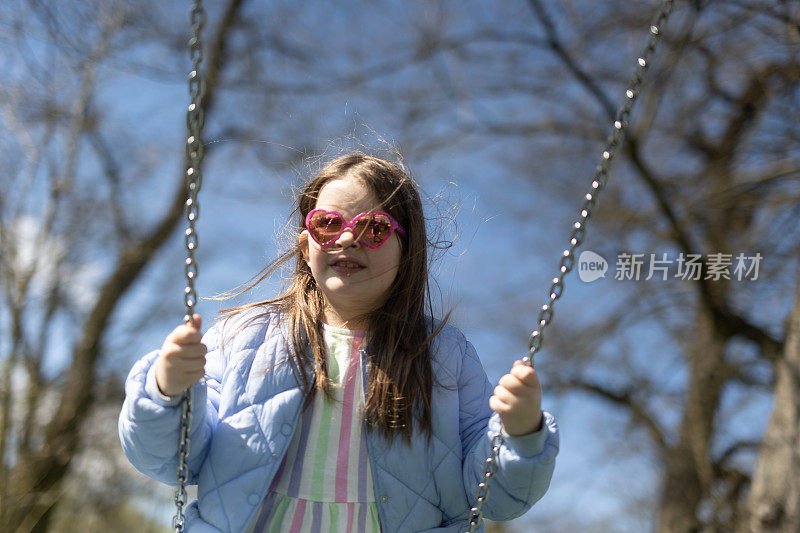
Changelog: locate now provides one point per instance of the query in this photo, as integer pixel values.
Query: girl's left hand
(518, 400)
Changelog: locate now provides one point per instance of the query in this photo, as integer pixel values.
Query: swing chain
(567, 261)
(489, 470)
(621, 122)
(183, 468)
(193, 179)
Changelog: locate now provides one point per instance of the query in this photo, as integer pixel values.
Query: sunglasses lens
(324, 226)
(373, 229)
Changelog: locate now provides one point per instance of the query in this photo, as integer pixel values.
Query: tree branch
(555, 44)
(112, 175)
(750, 104)
(625, 398)
(728, 321)
(39, 474)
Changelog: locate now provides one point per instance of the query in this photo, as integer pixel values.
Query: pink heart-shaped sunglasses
(370, 229)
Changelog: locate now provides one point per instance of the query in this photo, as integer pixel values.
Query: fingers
(517, 389)
(175, 374)
(524, 373)
(517, 399)
(183, 368)
(198, 321)
(505, 396)
(188, 352)
(498, 406)
(187, 333)
(183, 343)
(182, 359)
(520, 378)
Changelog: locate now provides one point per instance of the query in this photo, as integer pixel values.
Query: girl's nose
(347, 239)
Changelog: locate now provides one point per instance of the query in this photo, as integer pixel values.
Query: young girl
(339, 405)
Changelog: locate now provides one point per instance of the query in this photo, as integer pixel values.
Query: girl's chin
(348, 300)
(343, 294)
(335, 286)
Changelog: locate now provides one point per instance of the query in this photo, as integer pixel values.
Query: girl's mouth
(346, 267)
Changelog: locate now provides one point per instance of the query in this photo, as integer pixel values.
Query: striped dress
(324, 483)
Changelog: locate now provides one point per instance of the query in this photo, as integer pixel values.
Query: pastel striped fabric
(324, 483)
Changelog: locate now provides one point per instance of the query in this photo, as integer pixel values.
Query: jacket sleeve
(525, 463)
(149, 423)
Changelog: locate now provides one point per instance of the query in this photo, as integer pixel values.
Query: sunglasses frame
(393, 225)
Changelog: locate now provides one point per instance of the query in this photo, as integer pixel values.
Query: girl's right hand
(182, 360)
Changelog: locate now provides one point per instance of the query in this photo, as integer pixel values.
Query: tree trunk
(687, 478)
(774, 504)
(36, 478)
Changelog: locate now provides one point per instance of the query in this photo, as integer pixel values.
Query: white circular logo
(591, 266)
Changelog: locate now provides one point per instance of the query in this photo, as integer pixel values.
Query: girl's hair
(400, 378)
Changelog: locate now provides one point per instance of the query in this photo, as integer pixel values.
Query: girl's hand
(182, 360)
(518, 400)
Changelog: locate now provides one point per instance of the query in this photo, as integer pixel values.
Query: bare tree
(710, 167)
(775, 492)
(52, 215)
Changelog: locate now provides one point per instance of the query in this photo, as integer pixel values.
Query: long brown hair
(400, 378)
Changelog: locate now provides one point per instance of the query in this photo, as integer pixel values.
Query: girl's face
(353, 278)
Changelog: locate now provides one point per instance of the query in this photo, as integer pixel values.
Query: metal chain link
(193, 180)
(577, 236)
(489, 470)
(183, 468)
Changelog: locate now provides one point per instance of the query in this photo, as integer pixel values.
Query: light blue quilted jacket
(246, 411)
